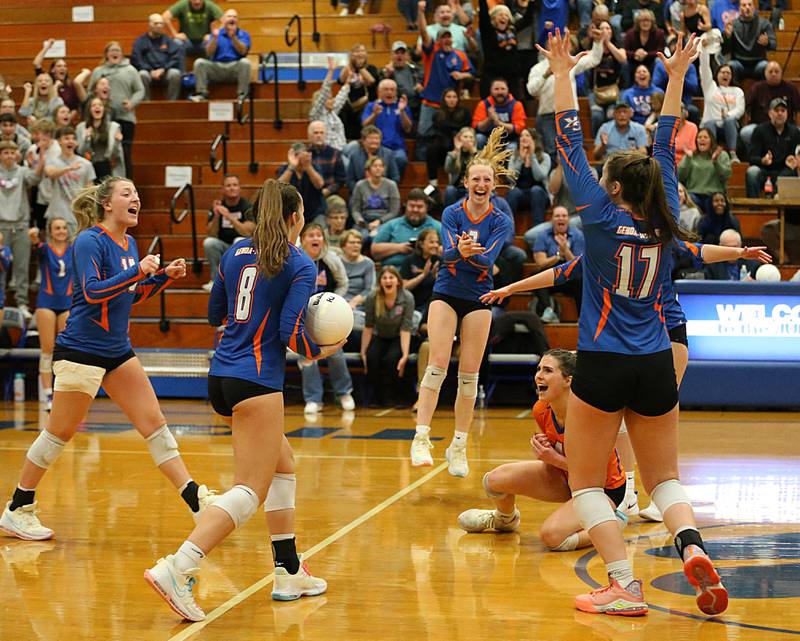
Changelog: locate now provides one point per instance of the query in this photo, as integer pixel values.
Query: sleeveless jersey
(55, 291)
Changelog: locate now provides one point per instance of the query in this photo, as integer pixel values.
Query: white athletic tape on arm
(281, 493)
(592, 507)
(162, 445)
(669, 493)
(434, 378)
(45, 449)
(77, 377)
(468, 384)
(240, 503)
(46, 363)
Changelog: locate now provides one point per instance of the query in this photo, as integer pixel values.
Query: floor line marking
(231, 603)
(388, 410)
(523, 414)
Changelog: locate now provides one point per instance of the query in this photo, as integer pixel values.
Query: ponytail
(494, 156)
(87, 206)
(273, 206)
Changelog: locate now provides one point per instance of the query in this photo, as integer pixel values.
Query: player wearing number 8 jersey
(260, 294)
(624, 366)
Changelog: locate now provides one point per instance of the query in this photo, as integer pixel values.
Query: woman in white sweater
(723, 104)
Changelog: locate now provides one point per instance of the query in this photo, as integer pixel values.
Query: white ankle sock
(460, 438)
(505, 517)
(188, 556)
(423, 430)
(630, 482)
(620, 571)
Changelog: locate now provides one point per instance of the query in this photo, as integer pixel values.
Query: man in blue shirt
(226, 49)
(395, 239)
(393, 118)
(620, 133)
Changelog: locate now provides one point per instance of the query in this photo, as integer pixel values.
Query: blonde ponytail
(87, 206)
(494, 156)
(274, 204)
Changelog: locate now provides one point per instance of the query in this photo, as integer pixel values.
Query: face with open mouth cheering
(551, 384)
(122, 207)
(480, 184)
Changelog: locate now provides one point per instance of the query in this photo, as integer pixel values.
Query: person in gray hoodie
(15, 214)
(127, 91)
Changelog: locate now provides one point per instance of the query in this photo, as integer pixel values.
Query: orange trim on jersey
(293, 337)
(69, 288)
(125, 237)
(257, 342)
(566, 160)
(604, 315)
(49, 286)
(124, 284)
(56, 252)
(569, 269)
(581, 207)
(103, 322)
(480, 219)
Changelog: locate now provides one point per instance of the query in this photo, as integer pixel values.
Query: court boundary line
(245, 594)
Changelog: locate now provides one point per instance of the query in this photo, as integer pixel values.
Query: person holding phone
(419, 269)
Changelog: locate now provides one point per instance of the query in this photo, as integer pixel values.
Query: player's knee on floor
(468, 384)
(45, 449)
(434, 377)
(77, 377)
(487, 486)
(240, 503)
(281, 493)
(46, 363)
(162, 445)
(669, 493)
(592, 507)
(555, 543)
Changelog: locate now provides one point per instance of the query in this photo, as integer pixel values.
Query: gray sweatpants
(206, 71)
(15, 236)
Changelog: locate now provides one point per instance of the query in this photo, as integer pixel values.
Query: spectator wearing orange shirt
(500, 109)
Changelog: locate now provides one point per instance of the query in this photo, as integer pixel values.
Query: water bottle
(743, 273)
(781, 25)
(19, 388)
(769, 188)
(481, 397)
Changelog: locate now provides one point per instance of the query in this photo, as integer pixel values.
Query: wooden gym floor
(385, 537)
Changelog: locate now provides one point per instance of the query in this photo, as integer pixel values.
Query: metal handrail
(263, 63)
(163, 323)
(221, 163)
(197, 266)
(301, 84)
(315, 33)
(248, 118)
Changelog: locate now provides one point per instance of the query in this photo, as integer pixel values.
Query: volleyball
(768, 273)
(329, 318)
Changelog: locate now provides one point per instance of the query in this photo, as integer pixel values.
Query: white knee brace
(669, 493)
(568, 544)
(281, 493)
(46, 363)
(162, 445)
(490, 492)
(468, 384)
(240, 502)
(45, 449)
(592, 507)
(433, 378)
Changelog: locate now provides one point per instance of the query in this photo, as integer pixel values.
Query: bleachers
(178, 132)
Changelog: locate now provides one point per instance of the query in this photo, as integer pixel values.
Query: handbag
(607, 94)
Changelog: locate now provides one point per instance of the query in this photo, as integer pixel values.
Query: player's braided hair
(274, 204)
(495, 156)
(88, 204)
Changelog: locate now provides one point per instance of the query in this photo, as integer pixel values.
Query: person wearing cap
(620, 134)
(406, 74)
(772, 149)
(393, 117)
(762, 93)
(746, 41)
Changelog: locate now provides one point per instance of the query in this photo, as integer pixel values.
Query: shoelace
(29, 518)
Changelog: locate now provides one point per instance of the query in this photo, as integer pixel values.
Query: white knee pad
(281, 493)
(45, 363)
(568, 544)
(240, 502)
(433, 378)
(468, 384)
(162, 445)
(669, 493)
(489, 492)
(77, 377)
(592, 507)
(45, 449)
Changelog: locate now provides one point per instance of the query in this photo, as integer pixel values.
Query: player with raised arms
(94, 349)
(624, 365)
(473, 232)
(260, 293)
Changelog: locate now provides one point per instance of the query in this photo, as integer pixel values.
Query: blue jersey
(55, 291)
(624, 268)
(107, 282)
(262, 316)
(470, 278)
(5, 263)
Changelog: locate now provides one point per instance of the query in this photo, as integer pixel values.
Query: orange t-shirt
(546, 420)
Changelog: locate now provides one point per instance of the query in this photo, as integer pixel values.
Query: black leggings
(128, 130)
(436, 154)
(382, 357)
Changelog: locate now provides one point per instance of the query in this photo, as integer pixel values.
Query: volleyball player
(624, 364)
(545, 479)
(55, 295)
(473, 232)
(260, 292)
(94, 349)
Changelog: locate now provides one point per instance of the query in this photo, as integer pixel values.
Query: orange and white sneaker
(712, 597)
(614, 599)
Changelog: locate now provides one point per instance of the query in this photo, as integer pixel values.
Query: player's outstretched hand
(558, 53)
(176, 269)
(678, 63)
(756, 253)
(150, 264)
(496, 296)
(327, 350)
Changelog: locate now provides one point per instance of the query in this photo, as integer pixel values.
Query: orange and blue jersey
(625, 269)
(547, 422)
(261, 316)
(470, 278)
(439, 65)
(55, 269)
(107, 282)
(6, 258)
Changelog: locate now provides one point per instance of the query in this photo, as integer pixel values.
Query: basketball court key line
(231, 603)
